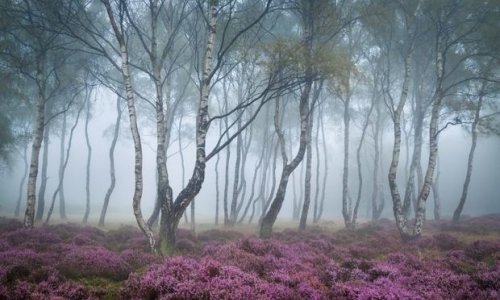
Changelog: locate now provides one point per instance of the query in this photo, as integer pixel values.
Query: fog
(453, 150)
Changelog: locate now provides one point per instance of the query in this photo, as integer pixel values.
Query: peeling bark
(401, 220)
(138, 187)
(24, 156)
(43, 179)
(29, 215)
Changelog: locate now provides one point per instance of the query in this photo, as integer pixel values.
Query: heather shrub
(482, 249)
(380, 289)
(185, 278)
(25, 257)
(74, 262)
(489, 278)
(186, 246)
(86, 261)
(39, 239)
(445, 241)
(9, 225)
(138, 259)
(126, 237)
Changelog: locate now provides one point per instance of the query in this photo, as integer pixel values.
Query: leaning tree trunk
(29, 215)
(254, 179)
(111, 163)
(66, 159)
(138, 187)
(468, 174)
(43, 180)
(59, 190)
(89, 158)
(266, 227)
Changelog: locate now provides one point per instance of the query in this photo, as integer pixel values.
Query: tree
(112, 184)
(307, 21)
(39, 56)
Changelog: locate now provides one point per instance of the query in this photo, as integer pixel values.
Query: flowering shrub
(69, 261)
(482, 249)
(85, 261)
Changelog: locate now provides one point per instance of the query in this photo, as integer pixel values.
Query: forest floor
(69, 261)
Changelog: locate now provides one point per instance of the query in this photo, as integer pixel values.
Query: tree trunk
(43, 180)
(346, 202)
(242, 190)
(317, 175)
(416, 158)
(66, 159)
(435, 194)
(433, 138)
(228, 157)
(433, 148)
(401, 220)
(29, 215)
(254, 179)
(271, 215)
(62, 200)
(319, 213)
(89, 157)
(266, 155)
(358, 159)
(172, 212)
(236, 180)
(138, 187)
(307, 183)
(226, 186)
(377, 204)
(217, 192)
(59, 190)
(111, 163)
(468, 174)
(23, 180)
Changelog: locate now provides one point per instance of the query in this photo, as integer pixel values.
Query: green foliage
(290, 56)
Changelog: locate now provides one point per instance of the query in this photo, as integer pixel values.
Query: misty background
(453, 149)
